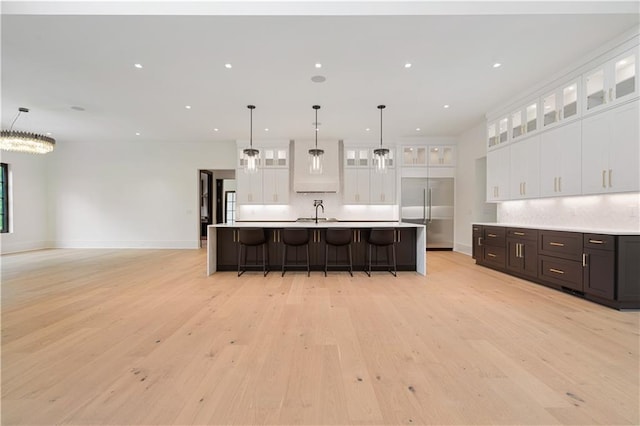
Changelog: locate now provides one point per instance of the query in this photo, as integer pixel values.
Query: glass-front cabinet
(276, 157)
(612, 82)
(498, 132)
(561, 104)
(524, 120)
(442, 155)
(414, 155)
(356, 157)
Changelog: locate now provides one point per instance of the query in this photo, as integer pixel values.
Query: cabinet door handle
(556, 271)
(596, 241)
(604, 176)
(555, 184)
(560, 184)
(479, 241)
(610, 172)
(552, 243)
(584, 260)
(521, 234)
(491, 255)
(524, 188)
(492, 235)
(399, 238)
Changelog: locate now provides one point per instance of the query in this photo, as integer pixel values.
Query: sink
(313, 219)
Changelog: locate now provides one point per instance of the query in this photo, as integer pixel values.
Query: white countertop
(323, 225)
(606, 231)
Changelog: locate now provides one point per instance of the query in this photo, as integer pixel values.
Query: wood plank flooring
(142, 337)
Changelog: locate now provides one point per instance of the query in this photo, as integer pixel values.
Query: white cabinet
(524, 120)
(356, 186)
(414, 155)
(561, 104)
(560, 161)
(498, 132)
(524, 174)
(498, 174)
(612, 82)
(357, 156)
(611, 150)
(441, 156)
(249, 187)
(275, 186)
(382, 187)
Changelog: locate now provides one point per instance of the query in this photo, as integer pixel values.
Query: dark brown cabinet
(493, 247)
(600, 267)
(522, 251)
(227, 249)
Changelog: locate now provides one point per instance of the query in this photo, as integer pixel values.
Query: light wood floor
(144, 337)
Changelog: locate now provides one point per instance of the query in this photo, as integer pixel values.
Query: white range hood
(303, 180)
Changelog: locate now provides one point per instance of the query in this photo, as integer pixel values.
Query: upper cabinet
(357, 157)
(363, 183)
(611, 82)
(269, 184)
(276, 157)
(414, 155)
(498, 132)
(429, 155)
(524, 120)
(442, 156)
(561, 104)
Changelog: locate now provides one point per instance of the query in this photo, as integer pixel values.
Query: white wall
(29, 216)
(130, 195)
(470, 183)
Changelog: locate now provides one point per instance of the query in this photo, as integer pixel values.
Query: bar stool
(383, 237)
(252, 237)
(295, 237)
(337, 237)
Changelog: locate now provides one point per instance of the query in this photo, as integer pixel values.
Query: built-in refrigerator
(429, 201)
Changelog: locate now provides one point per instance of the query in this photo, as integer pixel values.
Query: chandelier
(33, 143)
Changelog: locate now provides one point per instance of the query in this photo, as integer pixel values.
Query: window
(4, 202)
(230, 206)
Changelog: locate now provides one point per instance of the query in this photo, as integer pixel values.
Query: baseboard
(463, 248)
(129, 244)
(8, 248)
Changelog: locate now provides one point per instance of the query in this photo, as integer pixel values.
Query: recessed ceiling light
(417, 129)
(187, 106)
(137, 65)
(137, 133)
(318, 65)
(367, 129)
(266, 130)
(623, 62)
(407, 65)
(497, 65)
(215, 130)
(445, 106)
(227, 65)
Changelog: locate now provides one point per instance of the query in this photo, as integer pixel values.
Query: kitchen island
(222, 244)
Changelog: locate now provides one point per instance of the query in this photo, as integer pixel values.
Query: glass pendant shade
(316, 155)
(250, 156)
(381, 155)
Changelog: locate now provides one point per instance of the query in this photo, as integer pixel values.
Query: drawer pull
(584, 260)
(492, 235)
(491, 255)
(479, 241)
(556, 271)
(596, 241)
(519, 233)
(553, 243)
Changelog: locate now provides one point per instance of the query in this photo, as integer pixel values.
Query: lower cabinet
(522, 251)
(227, 249)
(599, 267)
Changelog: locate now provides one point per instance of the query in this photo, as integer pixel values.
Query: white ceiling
(53, 62)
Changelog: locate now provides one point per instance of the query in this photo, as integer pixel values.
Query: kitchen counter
(420, 235)
(584, 230)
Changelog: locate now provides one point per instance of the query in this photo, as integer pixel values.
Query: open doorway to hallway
(217, 190)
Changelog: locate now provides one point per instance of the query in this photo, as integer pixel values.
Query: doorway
(217, 199)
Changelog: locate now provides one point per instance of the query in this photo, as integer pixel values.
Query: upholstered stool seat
(295, 237)
(383, 237)
(338, 238)
(252, 237)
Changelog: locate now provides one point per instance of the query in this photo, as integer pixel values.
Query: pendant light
(315, 155)
(381, 155)
(32, 143)
(250, 155)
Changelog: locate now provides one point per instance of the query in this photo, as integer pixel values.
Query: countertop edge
(603, 231)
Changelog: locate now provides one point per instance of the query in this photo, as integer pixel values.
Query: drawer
(562, 272)
(522, 233)
(494, 256)
(600, 242)
(494, 236)
(566, 245)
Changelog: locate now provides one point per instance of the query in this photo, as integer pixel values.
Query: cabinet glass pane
(269, 157)
(491, 135)
(351, 157)
(550, 111)
(363, 158)
(625, 76)
(407, 155)
(282, 157)
(447, 155)
(516, 124)
(570, 100)
(503, 125)
(434, 155)
(532, 117)
(595, 89)
(421, 155)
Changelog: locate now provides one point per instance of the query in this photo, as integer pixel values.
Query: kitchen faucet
(316, 204)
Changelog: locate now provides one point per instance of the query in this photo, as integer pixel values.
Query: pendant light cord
(380, 127)
(316, 128)
(14, 120)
